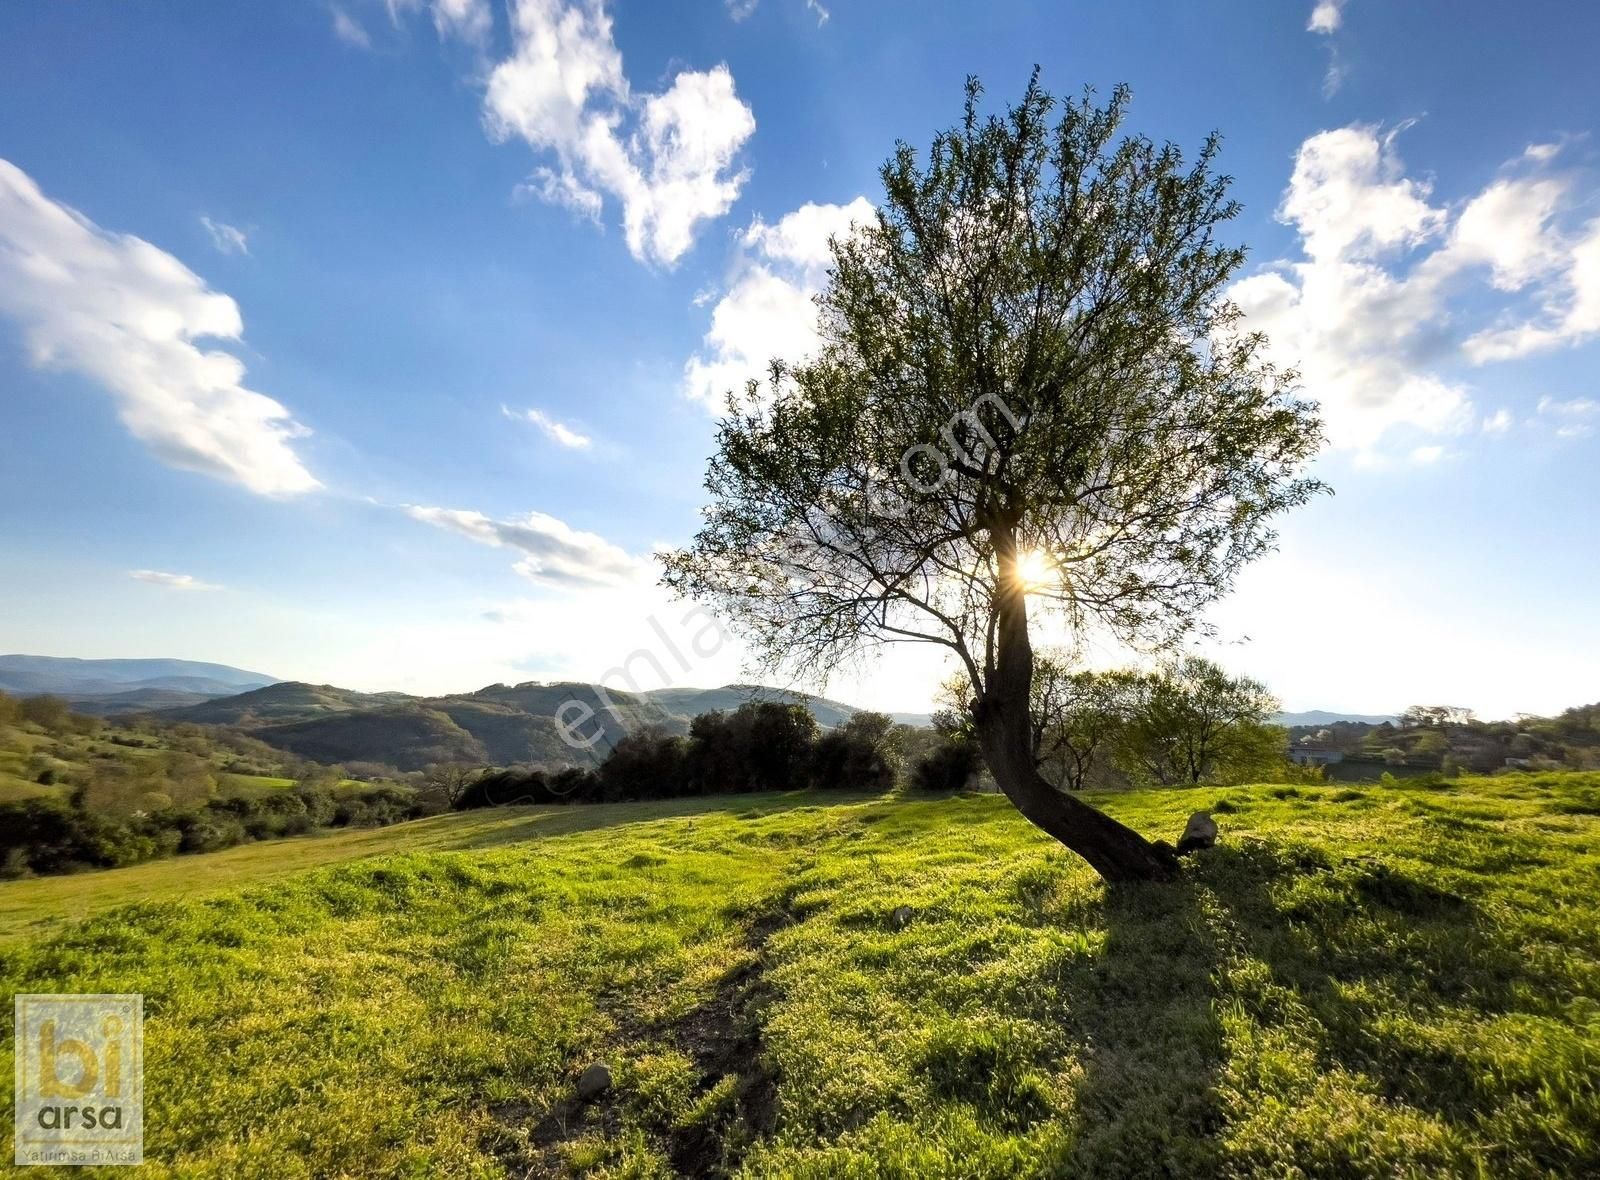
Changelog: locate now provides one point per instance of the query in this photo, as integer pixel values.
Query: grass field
(1379, 982)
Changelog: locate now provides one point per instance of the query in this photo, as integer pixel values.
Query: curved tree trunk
(1117, 852)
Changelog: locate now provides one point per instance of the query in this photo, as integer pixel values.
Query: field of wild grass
(1372, 981)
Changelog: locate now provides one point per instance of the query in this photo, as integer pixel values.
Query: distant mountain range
(1323, 717)
(124, 686)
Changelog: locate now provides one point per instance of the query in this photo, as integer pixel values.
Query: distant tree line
(1184, 724)
(51, 834)
(1451, 740)
(761, 746)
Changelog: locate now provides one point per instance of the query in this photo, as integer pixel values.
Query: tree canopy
(1030, 387)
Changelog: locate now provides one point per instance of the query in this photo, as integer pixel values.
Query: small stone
(1199, 832)
(594, 1081)
(901, 918)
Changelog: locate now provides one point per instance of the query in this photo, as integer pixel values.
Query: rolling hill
(501, 724)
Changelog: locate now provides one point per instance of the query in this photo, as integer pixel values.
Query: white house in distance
(1310, 751)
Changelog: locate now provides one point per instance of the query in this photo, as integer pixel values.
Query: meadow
(1391, 980)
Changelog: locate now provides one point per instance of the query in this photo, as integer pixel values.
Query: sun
(1035, 570)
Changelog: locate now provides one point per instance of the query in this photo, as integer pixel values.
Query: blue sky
(479, 268)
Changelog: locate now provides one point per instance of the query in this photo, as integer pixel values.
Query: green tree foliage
(1031, 388)
(51, 714)
(1191, 722)
(1079, 717)
(862, 754)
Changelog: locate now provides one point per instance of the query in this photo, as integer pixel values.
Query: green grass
(1379, 982)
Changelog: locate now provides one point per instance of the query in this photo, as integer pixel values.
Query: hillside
(288, 700)
(501, 724)
(1350, 984)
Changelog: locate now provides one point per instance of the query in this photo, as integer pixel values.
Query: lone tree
(1030, 387)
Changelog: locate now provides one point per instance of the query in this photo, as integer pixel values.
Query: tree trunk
(1117, 853)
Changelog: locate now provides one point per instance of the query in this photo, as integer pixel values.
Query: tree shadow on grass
(1139, 1017)
(1354, 943)
(1389, 966)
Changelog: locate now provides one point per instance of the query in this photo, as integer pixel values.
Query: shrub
(950, 766)
(46, 835)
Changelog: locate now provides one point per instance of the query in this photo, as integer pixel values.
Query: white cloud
(1427, 455)
(1497, 423)
(555, 431)
(228, 239)
(821, 13)
(768, 311)
(564, 189)
(740, 9)
(171, 581)
(1570, 312)
(1327, 16)
(349, 30)
(667, 158)
(555, 553)
(468, 20)
(1577, 406)
(127, 315)
(1369, 315)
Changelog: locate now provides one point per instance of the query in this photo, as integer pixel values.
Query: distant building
(1314, 755)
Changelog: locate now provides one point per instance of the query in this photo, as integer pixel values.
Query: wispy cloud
(465, 20)
(1573, 417)
(555, 431)
(555, 553)
(128, 316)
(349, 30)
(171, 581)
(229, 239)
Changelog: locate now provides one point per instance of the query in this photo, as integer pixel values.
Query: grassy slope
(1371, 982)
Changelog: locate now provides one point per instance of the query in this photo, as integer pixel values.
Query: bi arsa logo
(79, 1065)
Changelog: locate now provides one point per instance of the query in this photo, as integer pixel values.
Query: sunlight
(1035, 570)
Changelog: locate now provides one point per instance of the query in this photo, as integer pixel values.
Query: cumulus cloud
(128, 316)
(1326, 16)
(171, 581)
(228, 239)
(668, 158)
(768, 312)
(555, 431)
(554, 553)
(1369, 315)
